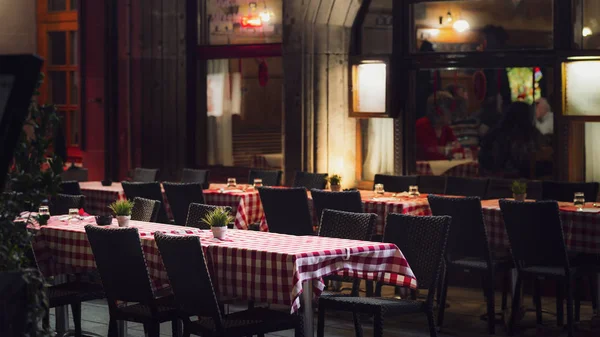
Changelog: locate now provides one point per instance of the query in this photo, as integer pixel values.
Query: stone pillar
(318, 134)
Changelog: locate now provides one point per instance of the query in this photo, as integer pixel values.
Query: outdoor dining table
(249, 265)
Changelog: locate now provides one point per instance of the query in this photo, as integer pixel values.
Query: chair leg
(152, 329)
(321, 321)
(537, 301)
(578, 296)
(442, 303)
(113, 330)
(560, 297)
(76, 309)
(491, 304)
(440, 284)
(369, 286)
(299, 330)
(569, 308)
(516, 305)
(505, 289)
(594, 291)
(175, 327)
(431, 322)
(378, 325)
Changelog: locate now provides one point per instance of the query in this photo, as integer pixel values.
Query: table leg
(62, 313)
(597, 294)
(122, 328)
(307, 297)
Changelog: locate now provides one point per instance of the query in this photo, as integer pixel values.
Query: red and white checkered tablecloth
(382, 206)
(469, 170)
(264, 267)
(247, 205)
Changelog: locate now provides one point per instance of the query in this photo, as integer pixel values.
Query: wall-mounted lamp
(461, 25)
(369, 87)
(586, 31)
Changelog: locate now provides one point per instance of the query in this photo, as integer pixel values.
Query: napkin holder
(106, 182)
(104, 220)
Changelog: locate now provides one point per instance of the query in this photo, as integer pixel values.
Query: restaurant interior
(306, 168)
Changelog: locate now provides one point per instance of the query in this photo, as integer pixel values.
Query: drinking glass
(73, 214)
(44, 210)
(231, 182)
(379, 189)
(257, 183)
(579, 200)
(413, 191)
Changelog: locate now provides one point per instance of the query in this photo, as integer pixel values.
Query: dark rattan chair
(469, 250)
(468, 187)
(564, 191)
(195, 296)
(145, 209)
(143, 175)
(269, 178)
(75, 173)
(286, 210)
(432, 184)
(195, 176)
(197, 212)
(150, 191)
(310, 180)
(180, 197)
(348, 201)
(501, 188)
(61, 203)
(422, 240)
(536, 238)
(124, 274)
(70, 188)
(395, 183)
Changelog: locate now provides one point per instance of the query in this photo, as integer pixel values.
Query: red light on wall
(251, 21)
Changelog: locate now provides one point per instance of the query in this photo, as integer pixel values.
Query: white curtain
(380, 147)
(224, 100)
(592, 152)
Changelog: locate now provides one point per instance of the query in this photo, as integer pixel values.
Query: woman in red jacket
(434, 134)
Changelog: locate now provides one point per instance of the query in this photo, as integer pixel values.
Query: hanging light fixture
(587, 31)
(449, 17)
(461, 25)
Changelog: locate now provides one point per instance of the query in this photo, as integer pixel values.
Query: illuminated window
(369, 88)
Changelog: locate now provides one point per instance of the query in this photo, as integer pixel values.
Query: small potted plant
(335, 182)
(519, 190)
(218, 219)
(42, 219)
(122, 210)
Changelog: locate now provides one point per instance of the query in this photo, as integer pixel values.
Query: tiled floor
(462, 319)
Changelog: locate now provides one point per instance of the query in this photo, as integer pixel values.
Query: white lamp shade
(371, 79)
(461, 25)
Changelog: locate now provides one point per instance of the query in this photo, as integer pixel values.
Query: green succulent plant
(519, 187)
(335, 179)
(121, 207)
(219, 217)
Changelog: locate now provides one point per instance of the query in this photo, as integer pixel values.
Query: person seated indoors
(464, 124)
(435, 139)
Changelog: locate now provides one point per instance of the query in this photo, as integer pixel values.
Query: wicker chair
(501, 188)
(347, 201)
(124, 274)
(469, 250)
(286, 210)
(395, 183)
(196, 176)
(310, 180)
(432, 184)
(70, 187)
(143, 175)
(150, 191)
(180, 197)
(269, 178)
(195, 295)
(61, 203)
(197, 212)
(145, 209)
(536, 238)
(468, 187)
(422, 240)
(564, 191)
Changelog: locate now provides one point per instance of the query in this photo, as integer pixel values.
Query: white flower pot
(336, 188)
(123, 220)
(520, 197)
(219, 232)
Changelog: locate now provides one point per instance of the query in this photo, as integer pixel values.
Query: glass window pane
(484, 25)
(57, 5)
(377, 29)
(57, 87)
(582, 88)
(74, 128)
(74, 87)
(587, 27)
(74, 4)
(57, 48)
(377, 136)
(244, 22)
(73, 52)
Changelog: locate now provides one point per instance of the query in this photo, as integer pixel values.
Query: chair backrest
(197, 212)
(180, 196)
(70, 187)
(286, 210)
(535, 233)
(347, 225)
(269, 178)
(422, 241)
(145, 209)
(395, 183)
(61, 203)
(150, 191)
(75, 173)
(432, 184)
(501, 188)
(468, 235)
(144, 175)
(310, 180)
(195, 176)
(347, 201)
(468, 187)
(121, 263)
(189, 275)
(564, 191)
